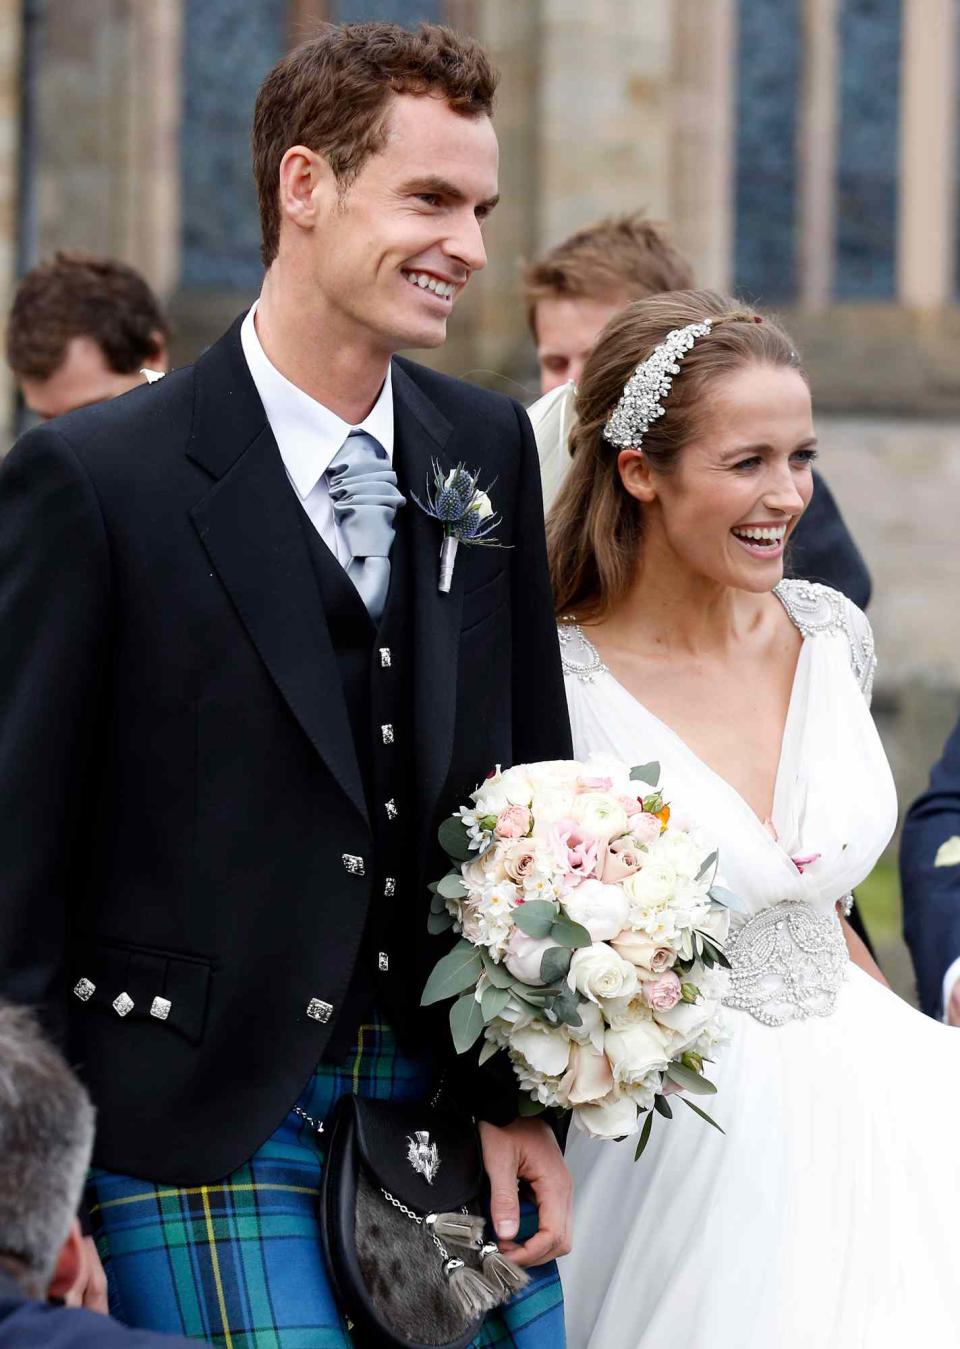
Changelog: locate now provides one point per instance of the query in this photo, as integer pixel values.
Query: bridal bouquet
(591, 941)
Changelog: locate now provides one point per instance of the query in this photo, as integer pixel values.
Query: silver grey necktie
(365, 498)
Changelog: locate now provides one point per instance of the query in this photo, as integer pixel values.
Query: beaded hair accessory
(641, 402)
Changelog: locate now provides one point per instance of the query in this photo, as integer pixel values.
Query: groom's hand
(527, 1150)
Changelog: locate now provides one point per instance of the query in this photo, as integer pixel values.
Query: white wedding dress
(828, 1215)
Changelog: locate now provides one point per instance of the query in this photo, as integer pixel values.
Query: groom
(236, 704)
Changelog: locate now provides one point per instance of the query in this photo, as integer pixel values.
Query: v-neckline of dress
(786, 736)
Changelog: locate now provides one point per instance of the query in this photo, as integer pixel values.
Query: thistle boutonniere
(465, 512)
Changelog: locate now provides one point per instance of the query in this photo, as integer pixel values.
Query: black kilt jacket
(182, 815)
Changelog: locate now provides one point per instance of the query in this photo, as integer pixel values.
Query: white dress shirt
(309, 435)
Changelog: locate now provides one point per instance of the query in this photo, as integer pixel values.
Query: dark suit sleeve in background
(822, 548)
(55, 603)
(931, 894)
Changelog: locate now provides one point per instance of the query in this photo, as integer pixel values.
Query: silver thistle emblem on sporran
(423, 1155)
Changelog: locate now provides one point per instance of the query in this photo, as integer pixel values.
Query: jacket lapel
(422, 435)
(249, 525)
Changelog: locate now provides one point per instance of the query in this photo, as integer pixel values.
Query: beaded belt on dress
(787, 963)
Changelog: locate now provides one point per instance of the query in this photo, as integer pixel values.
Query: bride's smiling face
(739, 486)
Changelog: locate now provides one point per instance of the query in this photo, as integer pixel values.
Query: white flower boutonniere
(464, 510)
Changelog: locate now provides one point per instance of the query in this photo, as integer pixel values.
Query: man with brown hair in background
(573, 290)
(80, 330)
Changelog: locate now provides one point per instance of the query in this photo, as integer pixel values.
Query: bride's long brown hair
(595, 527)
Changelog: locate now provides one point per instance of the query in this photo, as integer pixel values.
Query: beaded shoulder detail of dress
(578, 656)
(815, 609)
(818, 610)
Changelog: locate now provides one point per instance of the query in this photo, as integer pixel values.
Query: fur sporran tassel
(457, 1229)
(500, 1273)
(473, 1294)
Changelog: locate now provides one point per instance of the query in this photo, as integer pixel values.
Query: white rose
(636, 1051)
(651, 887)
(554, 774)
(591, 1028)
(716, 924)
(517, 785)
(524, 955)
(598, 972)
(547, 1050)
(613, 1118)
(602, 909)
(599, 814)
(481, 504)
(685, 1022)
(491, 798)
(588, 1077)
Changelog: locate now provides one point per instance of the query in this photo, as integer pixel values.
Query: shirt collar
(308, 435)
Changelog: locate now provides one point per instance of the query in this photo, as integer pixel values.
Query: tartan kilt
(239, 1263)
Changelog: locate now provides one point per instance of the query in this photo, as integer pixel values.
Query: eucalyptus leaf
(487, 1052)
(497, 974)
(662, 1107)
(554, 964)
(439, 922)
(715, 951)
(565, 932)
(437, 903)
(567, 1007)
(648, 773)
(457, 970)
(644, 1136)
(703, 1114)
(689, 1080)
(727, 898)
(466, 1022)
(454, 839)
(710, 861)
(535, 918)
(493, 1000)
(452, 886)
(528, 1106)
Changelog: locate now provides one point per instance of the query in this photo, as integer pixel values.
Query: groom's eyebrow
(442, 187)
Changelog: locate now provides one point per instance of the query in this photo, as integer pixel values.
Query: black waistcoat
(374, 665)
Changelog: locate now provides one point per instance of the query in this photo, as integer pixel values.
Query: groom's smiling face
(393, 253)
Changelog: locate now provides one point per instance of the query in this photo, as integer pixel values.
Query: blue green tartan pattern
(239, 1263)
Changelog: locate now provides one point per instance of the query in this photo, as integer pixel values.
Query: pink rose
(631, 804)
(644, 828)
(588, 1076)
(594, 784)
(519, 860)
(514, 822)
(663, 993)
(577, 852)
(619, 864)
(640, 950)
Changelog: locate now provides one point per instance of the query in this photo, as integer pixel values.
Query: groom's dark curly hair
(331, 95)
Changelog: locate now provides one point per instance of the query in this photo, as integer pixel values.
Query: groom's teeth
(427, 282)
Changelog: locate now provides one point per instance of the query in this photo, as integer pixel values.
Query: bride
(828, 1213)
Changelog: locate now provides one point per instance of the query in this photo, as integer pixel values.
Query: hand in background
(953, 1005)
(527, 1150)
(90, 1286)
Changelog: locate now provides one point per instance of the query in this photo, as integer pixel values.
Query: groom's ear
(634, 468)
(307, 186)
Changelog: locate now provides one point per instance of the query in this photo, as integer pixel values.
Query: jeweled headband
(641, 402)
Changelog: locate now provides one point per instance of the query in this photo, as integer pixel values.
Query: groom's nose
(465, 242)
